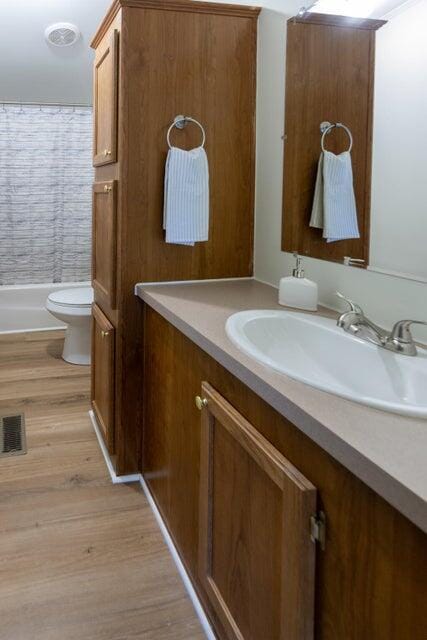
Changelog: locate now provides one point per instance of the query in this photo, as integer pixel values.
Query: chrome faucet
(399, 340)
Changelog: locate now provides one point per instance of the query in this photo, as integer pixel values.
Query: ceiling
(34, 71)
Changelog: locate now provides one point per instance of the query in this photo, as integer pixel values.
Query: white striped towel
(186, 198)
(334, 204)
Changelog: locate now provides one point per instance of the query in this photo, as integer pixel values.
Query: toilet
(74, 308)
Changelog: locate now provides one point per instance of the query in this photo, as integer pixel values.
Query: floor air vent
(12, 435)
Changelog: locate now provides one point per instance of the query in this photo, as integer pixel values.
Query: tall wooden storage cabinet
(156, 59)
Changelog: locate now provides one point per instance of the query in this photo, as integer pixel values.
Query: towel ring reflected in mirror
(180, 122)
(326, 127)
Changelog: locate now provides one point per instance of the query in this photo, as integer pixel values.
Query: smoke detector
(62, 34)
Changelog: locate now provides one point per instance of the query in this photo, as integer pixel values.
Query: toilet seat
(80, 297)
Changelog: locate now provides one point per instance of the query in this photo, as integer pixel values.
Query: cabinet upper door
(256, 556)
(103, 374)
(104, 240)
(105, 91)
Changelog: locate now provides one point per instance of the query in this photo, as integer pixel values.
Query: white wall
(399, 184)
(384, 298)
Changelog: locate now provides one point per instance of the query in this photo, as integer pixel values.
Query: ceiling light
(352, 8)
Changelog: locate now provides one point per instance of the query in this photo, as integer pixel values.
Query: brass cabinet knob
(107, 152)
(105, 334)
(201, 403)
(107, 188)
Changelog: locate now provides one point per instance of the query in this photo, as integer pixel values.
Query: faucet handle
(401, 340)
(402, 332)
(353, 305)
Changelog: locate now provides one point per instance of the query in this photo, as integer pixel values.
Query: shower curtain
(45, 193)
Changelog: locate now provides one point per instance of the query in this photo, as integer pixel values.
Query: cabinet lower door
(256, 556)
(104, 240)
(103, 373)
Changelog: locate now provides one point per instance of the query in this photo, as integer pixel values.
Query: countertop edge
(394, 492)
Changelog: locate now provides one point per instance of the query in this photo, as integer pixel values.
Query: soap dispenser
(297, 291)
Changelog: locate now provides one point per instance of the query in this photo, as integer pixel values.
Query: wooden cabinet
(105, 91)
(256, 557)
(104, 240)
(233, 487)
(103, 373)
(154, 60)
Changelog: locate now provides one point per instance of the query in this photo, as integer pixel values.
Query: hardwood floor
(80, 558)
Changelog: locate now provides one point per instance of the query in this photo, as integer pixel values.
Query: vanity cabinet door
(256, 557)
(104, 240)
(105, 91)
(103, 372)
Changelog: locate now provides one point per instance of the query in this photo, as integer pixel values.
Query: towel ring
(179, 122)
(326, 127)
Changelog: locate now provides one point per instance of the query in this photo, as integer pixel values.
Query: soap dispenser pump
(297, 291)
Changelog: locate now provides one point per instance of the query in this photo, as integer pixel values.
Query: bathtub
(22, 307)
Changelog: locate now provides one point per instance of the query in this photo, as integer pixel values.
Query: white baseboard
(115, 479)
(179, 564)
(137, 477)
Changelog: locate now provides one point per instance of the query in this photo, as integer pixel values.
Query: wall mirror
(369, 75)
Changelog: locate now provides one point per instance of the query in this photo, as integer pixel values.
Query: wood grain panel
(370, 580)
(329, 77)
(243, 11)
(105, 101)
(256, 558)
(169, 79)
(331, 20)
(104, 240)
(103, 374)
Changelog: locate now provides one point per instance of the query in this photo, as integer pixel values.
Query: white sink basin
(313, 350)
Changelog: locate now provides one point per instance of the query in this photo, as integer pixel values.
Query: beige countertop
(384, 450)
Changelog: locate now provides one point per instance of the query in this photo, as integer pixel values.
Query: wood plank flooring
(80, 558)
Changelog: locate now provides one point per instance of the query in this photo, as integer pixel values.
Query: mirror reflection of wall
(330, 73)
(399, 173)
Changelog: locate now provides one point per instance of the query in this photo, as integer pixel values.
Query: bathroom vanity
(298, 514)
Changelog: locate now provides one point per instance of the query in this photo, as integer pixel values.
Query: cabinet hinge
(318, 529)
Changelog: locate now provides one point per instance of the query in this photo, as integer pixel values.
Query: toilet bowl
(74, 308)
